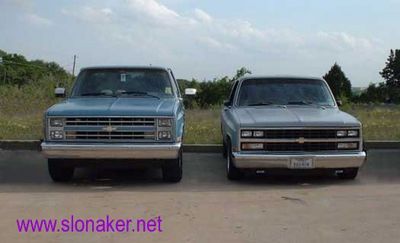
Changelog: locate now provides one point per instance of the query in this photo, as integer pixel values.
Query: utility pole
(73, 67)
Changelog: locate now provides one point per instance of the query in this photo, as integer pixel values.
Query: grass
(21, 112)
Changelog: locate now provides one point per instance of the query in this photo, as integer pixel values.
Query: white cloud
(91, 14)
(37, 20)
(196, 40)
(202, 16)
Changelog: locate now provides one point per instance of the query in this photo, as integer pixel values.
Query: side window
(233, 92)
(175, 84)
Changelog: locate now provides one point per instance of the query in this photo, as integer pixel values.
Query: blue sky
(206, 39)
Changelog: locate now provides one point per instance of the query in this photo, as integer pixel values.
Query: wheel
(60, 172)
(348, 174)
(224, 149)
(232, 172)
(172, 169)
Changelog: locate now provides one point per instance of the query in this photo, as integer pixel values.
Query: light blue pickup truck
(289, 123)
(114, 115)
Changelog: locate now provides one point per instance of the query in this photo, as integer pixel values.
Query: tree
(240, 73)
(338, 82)
(391, 72)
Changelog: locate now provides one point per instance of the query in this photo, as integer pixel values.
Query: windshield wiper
(300, 102)
(139, 93)
(261, 104)
(95, 94)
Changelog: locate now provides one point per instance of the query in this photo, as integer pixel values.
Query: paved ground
(205, 207)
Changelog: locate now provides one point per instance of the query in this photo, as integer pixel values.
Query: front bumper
(320, 161)
(110, 151)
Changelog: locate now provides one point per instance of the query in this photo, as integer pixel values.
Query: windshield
(259, 92)
(123, 82)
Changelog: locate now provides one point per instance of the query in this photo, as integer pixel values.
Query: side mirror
(190, 92)
(339, 103)
(227, 103)
(59, 92)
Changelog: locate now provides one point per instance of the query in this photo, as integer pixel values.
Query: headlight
(247, 134)
(341, 133)
(352, 133)
(347, 146)
(56, 135)
(165, 122)
(252, 146)
(164, 135)
(56, 122)
(258, 134)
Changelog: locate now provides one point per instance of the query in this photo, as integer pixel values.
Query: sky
(206, 39)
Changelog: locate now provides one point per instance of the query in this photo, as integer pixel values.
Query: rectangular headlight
(341, 133)
(252, 146)
(165, 122)
(164, 135)
(57, 135)
(56, 122)
(258, 134)
(347, 146)
(352, 133)
(247, 134)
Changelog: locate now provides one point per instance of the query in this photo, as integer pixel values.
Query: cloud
(91, 14)
(202, 16)
(195, 39)
(37, 20)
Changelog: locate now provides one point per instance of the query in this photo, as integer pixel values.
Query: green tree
(240, 73)
(338, 82)
(391, 72)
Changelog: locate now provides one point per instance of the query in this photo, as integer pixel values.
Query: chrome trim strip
(296, 140)
(111, 151)
(321, 160)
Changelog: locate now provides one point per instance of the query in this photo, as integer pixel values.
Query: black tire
(232, 172)
(348, 174)
(60, 172)
(224, 149)
(172, 169)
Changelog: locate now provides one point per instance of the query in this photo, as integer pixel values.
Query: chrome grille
(296, 139)
(315, 133)
(114, 121)
(119, 129)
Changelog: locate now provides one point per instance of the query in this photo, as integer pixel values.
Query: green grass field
(21, 112)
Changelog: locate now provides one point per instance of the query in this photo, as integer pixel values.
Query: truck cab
(291, 123)
(131, 114)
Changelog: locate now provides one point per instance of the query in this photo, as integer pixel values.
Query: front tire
(348, 174)
(60, 172)
(232, 172)
(173, 169)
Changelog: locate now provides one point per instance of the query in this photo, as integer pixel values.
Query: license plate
(302, 163)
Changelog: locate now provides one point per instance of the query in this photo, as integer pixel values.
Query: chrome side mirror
(339, 103)
(190, 92)
(59, 92)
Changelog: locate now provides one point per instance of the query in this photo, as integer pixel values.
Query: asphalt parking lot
(205, 206)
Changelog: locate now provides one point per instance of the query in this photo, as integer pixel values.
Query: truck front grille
(295, 140)
(119, 129)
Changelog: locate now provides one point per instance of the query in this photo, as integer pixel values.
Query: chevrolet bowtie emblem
(109, 129)
(300, 140)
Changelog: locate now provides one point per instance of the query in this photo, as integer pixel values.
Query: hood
(294, 117)
(113, 106)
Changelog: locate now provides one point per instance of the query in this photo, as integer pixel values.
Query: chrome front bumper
(111, 151)
(321, 161)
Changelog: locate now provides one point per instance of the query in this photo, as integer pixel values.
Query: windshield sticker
(123, 77)
(168, 90)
